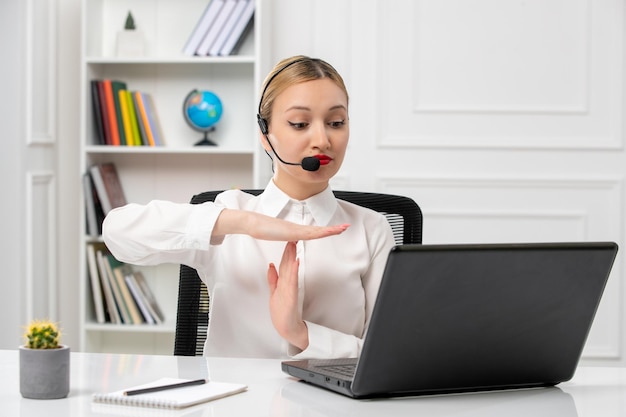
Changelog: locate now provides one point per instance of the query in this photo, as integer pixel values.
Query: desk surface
(592, 392)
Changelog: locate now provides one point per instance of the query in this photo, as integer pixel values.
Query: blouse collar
(322, 206)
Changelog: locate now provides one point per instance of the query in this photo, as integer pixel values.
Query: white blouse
(339, 275)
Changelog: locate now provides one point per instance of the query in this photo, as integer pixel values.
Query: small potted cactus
(44, 362)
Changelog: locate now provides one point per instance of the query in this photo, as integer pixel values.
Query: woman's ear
(264, 142)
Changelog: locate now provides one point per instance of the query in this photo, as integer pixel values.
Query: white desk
(592, 392)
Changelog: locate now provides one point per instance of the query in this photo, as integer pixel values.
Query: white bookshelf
(177, 170)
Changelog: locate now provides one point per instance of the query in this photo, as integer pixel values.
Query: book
(127, 128)
(129, 304)
(228, 27)
(116, 86)
(140, 299)
(240, 30)
(143, 116)
(152, 303)
(97, 114)
(96, 285)
(104, 115)
(172, 398)
(107, 289)
(216, 27)
(203, 25)
(108, 186)
(153, 119)
(111, 112)
(93, 229)
(133, 119)
(143, 135)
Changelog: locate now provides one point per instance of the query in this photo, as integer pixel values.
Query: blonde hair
(290, 71)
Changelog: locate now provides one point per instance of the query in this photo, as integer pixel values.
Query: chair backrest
(192, 319)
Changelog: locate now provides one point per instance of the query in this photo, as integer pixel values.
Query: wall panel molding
(40, 266)
(40, 78)
(504, 75)
(524, 209)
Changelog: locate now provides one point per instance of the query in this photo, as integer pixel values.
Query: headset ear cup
(262, 124)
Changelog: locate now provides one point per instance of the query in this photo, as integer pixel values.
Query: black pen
(165, 387)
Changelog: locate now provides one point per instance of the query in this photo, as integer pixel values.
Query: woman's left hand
(284, 299)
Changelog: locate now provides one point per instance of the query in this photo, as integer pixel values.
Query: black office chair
(192, 319)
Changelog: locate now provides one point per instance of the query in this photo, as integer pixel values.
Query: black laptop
(473, 317)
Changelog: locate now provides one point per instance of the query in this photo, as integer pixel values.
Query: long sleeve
(339, 275)
(159, 232)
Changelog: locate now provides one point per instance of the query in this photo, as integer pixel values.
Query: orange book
(144, 117)
(110, 103)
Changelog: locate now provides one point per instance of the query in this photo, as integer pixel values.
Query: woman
(318, 302)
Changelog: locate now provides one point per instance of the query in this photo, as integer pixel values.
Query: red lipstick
(324, 159)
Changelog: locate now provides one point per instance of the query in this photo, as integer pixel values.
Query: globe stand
(205, 141)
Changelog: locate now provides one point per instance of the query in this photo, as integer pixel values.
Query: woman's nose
(320, 138)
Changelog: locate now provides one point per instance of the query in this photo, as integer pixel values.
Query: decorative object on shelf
(44, 363)
(130, 41)
(202, 110)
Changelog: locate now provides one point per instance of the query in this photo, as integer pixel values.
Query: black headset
(262, 122)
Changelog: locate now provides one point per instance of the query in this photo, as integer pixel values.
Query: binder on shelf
(96, 286)
(240, 30)
(129, 302)
(111, 112)
(120, 294)
(133, 119)
(104, 114)
(203, 25)
(93, 209)
(109, 297)
(116, 87)
(97, 114)
(108, 186)
(127, 129)
(140, 299)
(152, 303)
(228, 27)
(216, 27)
(153, 119)
(143, 117)
(110, 263)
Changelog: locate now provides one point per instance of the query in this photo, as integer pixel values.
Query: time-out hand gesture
(284, 299)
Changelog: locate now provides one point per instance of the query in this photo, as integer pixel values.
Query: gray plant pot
(45, 373)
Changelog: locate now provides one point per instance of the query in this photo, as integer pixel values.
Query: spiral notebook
(172, 398)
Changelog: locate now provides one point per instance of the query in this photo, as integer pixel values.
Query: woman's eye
(297, 125)
(337, 123)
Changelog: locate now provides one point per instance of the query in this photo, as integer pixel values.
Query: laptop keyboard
(344, 370)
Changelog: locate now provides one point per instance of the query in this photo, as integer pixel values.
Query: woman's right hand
(263, 227)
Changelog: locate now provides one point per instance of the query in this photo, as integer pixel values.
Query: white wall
(11, 208)
(504, 120)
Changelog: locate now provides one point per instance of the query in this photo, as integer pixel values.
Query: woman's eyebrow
(338, 106)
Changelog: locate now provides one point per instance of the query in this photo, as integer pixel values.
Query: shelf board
(151, 150)
(183, 59)
(132, 328)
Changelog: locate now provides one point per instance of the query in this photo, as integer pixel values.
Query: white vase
(130, 43)
(45, 373)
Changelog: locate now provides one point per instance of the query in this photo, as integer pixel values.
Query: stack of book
(103, 192)
(221, 29)
(124, 117)
(121, 295)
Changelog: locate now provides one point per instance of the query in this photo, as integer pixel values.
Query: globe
(202, 110)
